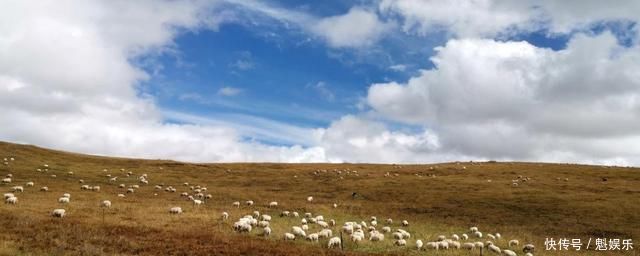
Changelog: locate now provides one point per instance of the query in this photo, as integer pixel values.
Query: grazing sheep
(63, 200)
(44, 189)
(8, 195)
(508, 253)
(332, 222)
(256, 214)
(11, 200)
(84, 187)
(455, 237)
(313, 237)
(273, 204)
(303, 221)
(131, 190)
(479, 244)
(175, 210)
(308, 215)
(248, 202)
(404, 233)
(386, 229)
(528, 254)
(528, 248)
(266, 231)
(6, 180)
(334, 242)
(465, 237)
(309, 199)
(197, 202)
(298, 231)
(263, 224)
(265, 217)
(236, 204)
(492, 237)
(443, 245)
(498, 236)
(477, 234)
(494, 248)
(441, 238)
(58, 213)
(513, 243)
(389, 221)
(29, 184)
(400, 242)
(295, 214)
(468, 246)
(106, 204)
(121, 195)
(473, 229)
(122, 186)
(419, 244)
(397, 235)
(335, 205)
(405, 223)
(325, 233)
(18, 189)
(225, 215)
(431, 245)
(289, 237)
(454, 244)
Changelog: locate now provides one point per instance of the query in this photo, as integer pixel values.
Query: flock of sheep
(312, 228)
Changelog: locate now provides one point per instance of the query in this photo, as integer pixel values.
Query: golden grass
(453, 200)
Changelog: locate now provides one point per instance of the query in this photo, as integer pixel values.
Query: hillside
(558, 200)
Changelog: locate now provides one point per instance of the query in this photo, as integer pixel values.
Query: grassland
(444, 200)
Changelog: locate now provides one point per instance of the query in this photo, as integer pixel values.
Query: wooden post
(341, 242)
(102, 216)
(480, 251)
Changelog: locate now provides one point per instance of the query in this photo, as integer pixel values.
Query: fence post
(341, 242)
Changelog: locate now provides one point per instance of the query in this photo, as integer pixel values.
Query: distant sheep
(468, 246)
(175, 210)
(29, 184)
(405, 223)
(63, 200)
(225, 215)
(58, 213)
(386, 229)
(309, 199)
(528, 248)
(419, 244)
(266, 231)
(8, 195)
(11, 200)
(400, 242)
(18, 189)
(105, 204)
(334, 242)
(248, 202)
(121, 195)
(273, 204)
(289, 237)
(513, 243)
(298, 231)
(198, 202)
(67, 195)
(508, 253)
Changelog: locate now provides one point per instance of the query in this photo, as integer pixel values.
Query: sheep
(479, 244)
(397, 235)
(431, 245)
(335, 205)
(175, 210)
(508, 253)
(256, 214)
(313, 237)
(29, 184)
(455, 237)
(295, 214)
(105, 204)
(468, 246)
(236, 204)
(131, 190)
(298, 231)
(441, 238)
(386, 229)
(513, 243)
(405, 223)
(122, 186)
(308, 215)
(389, 221)
(242, 226)
(248, 202)
(465, 237)
(473, 229)
(334, 242)
(400, 242)
(494, 248)
(478, 234)
(58, 213)
(309, 199)
(208, 196)
(273, 204)
(225, 215)
(11, 200)
(84, 187)
(67, 195)
(121, 195)
(492, 237)
(288, 236)
(528, 248)
(453, 244)
(303, 221)
(376, 236)
(8, 195)
(357, 236)
(332, 222)
(325, 233)
(285, 214)
(263, 224)
(266, 231)
(419, 244)
(498, 236)
(18, 189)
(404, 233)
(198, 202)
(528, 254)
(63, 200)
(443, 245)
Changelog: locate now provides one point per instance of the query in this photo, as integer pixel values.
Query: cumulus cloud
(229, 91)
(494, 99)
(358, 27)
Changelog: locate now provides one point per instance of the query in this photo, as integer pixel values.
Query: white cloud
(398, 67)
(358, 27)
(493, 99)
(229, 91)
(322, 89)
(490, 18)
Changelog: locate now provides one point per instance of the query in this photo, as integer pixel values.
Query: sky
(378, 81)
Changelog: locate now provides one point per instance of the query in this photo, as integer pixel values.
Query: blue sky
(326, 81)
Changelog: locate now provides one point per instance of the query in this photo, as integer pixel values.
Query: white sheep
(528, 254)
(58, 213)
(29, 184)
(528, 248)
(298, 231)
(225, 215)
(248, 202)
(468, 246)
(296, 214)
(106, 204)
(63, 200)
(477, 234)
(8, 195)
(197, 202)
(121, 195)
(122, 186)
(431, 245)
(266, 231)
(236, 204)
(44, 189)
(465, 237)
(309, 199)
(263, 224)
(175, 210)
(386, 229)
(498, 236)
(508, 253)
(441, 238)
(494, 248)
(455, 237)
(492, 237)
(313, 237)
(334, 242)
(6, 180)
(479, 244)
(265, 217)
(11, 200)
(473, 229)
(325, 233)
(288, 236)
(376, 236)
(18, 189)
(453, 244)
(419, 244)
(400, 242)
(389, 221)
(405, 223)
(513, 243)
(443, 245)
(273, 204)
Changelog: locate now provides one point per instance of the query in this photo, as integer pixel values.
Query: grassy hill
(558, 201)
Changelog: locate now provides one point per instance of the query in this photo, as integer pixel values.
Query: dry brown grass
(455, 199)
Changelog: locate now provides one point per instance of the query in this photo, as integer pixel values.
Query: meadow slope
(559, 200)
